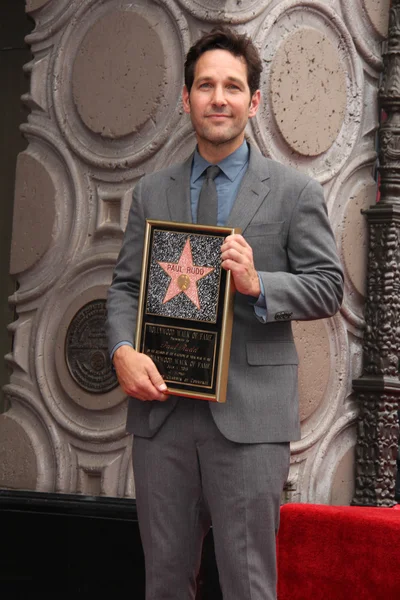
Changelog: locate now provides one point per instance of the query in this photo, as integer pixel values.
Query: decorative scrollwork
(379, 387)
(382, 312)
(389, 146)
(394, 27)
(378, 431)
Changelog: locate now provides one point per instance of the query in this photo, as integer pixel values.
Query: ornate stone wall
(105, 108)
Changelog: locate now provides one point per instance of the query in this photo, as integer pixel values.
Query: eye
(205, 85)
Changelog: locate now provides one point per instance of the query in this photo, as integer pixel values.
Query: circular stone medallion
(86, 351)
(313, 88)
(117, 79)
(308, 86)
(119, 74)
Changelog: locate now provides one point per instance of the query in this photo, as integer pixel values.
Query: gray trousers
(188, 476)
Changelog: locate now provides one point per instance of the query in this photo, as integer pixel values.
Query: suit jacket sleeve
(123, 295)
(312, 287)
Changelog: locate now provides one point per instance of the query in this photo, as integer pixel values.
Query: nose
(218, 98)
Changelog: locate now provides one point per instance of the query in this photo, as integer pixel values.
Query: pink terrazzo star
(184, 276)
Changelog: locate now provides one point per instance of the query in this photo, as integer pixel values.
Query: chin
(219, 137)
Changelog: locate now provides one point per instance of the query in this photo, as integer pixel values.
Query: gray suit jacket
(283, 216)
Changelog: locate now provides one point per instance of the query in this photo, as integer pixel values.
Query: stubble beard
(216, 138)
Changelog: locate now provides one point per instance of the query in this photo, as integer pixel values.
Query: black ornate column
(378, 389)
(397, 488)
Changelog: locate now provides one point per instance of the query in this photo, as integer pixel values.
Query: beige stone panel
(308, 91)
(343, 482)
(119, 75)
(31, 5)
(378, 12)
(34, 213)
(18, 468)
(355, 236)
(312, 345)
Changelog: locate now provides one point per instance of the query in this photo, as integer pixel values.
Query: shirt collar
(230, 166)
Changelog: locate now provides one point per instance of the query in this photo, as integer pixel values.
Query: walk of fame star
(184, 276)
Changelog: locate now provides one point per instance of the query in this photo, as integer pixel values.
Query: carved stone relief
(104, 101)
(300, 80)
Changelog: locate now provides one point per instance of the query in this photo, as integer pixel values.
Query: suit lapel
(178, 194)
(252, 192)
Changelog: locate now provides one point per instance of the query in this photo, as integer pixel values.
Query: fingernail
(162, 387)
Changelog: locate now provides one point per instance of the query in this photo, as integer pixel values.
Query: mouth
(218, 116)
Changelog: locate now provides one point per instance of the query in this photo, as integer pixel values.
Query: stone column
(397, 489)
(378, 388)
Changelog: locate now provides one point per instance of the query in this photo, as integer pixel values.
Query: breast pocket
(267, 243)
(264, 229)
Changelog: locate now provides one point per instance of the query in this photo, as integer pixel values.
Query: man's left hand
(237, 257)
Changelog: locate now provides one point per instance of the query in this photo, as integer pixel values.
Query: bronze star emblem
(184, 276)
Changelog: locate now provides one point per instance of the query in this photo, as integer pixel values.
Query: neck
(214, 153)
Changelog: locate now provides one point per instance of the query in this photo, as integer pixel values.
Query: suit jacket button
(283, 315)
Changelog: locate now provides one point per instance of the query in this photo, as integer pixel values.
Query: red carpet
(338, 553)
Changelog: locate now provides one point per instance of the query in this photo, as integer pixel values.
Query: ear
(254, 103)
(186, 99)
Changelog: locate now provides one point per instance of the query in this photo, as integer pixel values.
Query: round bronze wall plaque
(86, 350)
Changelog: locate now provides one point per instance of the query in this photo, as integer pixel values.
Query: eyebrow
(210, 78)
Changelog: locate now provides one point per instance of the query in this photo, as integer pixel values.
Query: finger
(153, 386)
(236, 267)
(235, 239)
(236, 249)
(150, 392)
(147, 392)
(141, 387)
(155, 378)
(238, 256)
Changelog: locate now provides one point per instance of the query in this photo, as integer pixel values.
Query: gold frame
(223, 327)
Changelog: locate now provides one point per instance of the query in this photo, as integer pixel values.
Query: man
(197, 462)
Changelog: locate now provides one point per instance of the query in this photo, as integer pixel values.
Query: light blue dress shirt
(233, 169)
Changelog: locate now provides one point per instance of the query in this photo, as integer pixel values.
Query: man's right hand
(137, 375)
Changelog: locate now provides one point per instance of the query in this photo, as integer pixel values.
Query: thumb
(156, 379)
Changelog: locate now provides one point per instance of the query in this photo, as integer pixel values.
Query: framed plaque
(185, 311)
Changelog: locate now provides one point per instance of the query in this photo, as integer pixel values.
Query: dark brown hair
(224, 38)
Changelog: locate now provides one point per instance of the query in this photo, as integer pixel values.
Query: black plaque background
(190, 390)
(86, 351)
(200, 374)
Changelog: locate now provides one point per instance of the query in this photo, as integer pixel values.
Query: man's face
(219, 102)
